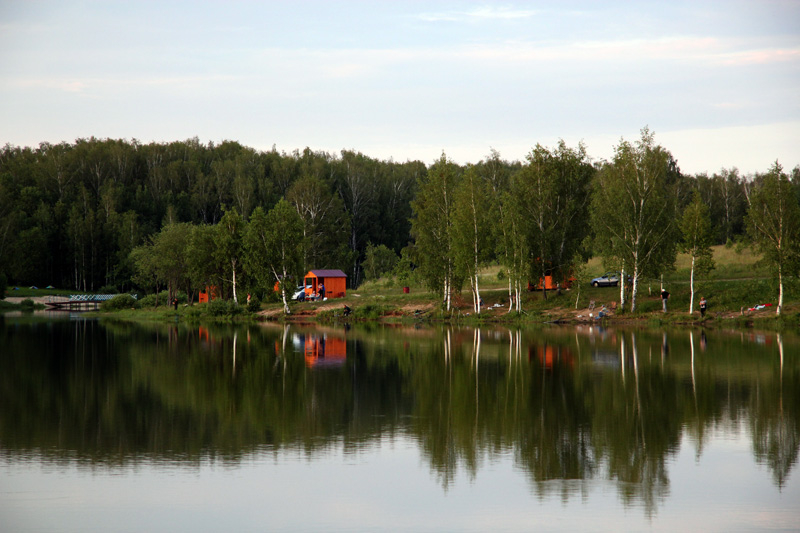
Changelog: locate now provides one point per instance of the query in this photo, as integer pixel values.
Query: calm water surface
(110, 426)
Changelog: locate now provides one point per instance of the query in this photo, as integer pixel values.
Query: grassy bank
(737, 284)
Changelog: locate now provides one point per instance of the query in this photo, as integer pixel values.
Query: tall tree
(204, 269)
(229, 245)
(633, 209)
(773, 221)
(274, 247)
(552, 192)
(472, 229)
(696, 240)
(326, 225)
(431, 227)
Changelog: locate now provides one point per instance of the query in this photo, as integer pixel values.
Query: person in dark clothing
(175, 303)
(664, 298)
(703, 305)
(346, 311)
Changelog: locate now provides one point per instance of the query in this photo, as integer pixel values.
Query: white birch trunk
(233, 269)
(477, 294)
(510, 292)
(621, 289)
(634, 289)
(780, 290)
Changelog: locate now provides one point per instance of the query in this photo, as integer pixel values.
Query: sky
(717, 81)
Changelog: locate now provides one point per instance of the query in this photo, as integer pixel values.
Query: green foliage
(634, 209)
(773, 222)
(27, 304)
(431, 228)
(551, 202)
(228, 248)
(107, 289)
(370, 312)
(378, 260)
(273, 247)
(155, 299)
(472, 229)
(404, 271)
(223, 308)
(696, 234)
(254, 305)
(120, 301)
(326, 224)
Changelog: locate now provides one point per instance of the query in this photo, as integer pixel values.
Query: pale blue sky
(718, 82)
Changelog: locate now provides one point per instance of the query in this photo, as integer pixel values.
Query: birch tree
(431, 227)
(633, 211)
(229, 245)
(696, 241)
(326, 225)
(773, 222)
(274, 247)
(514, 252)
(471, 230)
(552, 194)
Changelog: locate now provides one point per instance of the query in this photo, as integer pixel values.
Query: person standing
(703, 305)
(664, 298)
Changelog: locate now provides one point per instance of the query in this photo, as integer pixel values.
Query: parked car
(300, 294)
(609, 279)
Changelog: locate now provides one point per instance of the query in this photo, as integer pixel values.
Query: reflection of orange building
(321, 350)
(211, 292)
(550, 356)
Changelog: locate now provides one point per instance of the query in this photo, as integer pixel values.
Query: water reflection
(569, 405)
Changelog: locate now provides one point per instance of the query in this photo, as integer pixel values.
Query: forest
(107, 215)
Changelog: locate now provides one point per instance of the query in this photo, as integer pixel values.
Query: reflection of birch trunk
(235, 334)
(636, 383)
(780, 375)
(622, 357)
(447, 346)
(476, 343)
(694, 386)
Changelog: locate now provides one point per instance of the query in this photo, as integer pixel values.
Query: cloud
(478, 14)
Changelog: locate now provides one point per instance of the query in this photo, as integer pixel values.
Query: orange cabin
(333, 281)
(211, 293)
(551, 283)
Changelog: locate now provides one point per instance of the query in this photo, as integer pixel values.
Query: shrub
(220, 308)
(254, 306)
(120, 301)
(27, 304)
(107, 289)
(369, 311)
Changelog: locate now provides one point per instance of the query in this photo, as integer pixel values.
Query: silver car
(609, 279)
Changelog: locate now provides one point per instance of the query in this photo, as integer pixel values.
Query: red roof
(328, 273)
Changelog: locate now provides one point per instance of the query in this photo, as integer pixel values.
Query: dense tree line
(72, 213)
(113, 213)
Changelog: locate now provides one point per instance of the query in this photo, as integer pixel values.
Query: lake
(119, 426)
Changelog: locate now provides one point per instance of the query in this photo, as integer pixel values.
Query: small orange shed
(333, 281)
(211, 293)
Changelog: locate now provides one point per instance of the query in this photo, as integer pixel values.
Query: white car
(300, 294)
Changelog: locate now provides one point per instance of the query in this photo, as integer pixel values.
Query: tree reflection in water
(569, 405)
